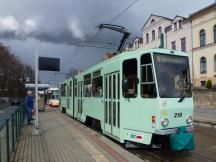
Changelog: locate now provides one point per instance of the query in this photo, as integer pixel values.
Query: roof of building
(139, 38)
(203, 10)
(178, 16)
(156, 16)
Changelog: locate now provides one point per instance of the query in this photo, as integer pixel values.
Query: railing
(11, 120)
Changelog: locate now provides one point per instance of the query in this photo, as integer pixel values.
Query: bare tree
(12, 73)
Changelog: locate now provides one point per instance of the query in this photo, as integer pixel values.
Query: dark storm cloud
(48, 26)
(75, 20)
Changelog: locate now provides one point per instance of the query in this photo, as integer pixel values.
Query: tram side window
(63, 91)
(129, 80)
(97, 84)
(148, 88)
(87, 85)
(70, 89)
(75, 88)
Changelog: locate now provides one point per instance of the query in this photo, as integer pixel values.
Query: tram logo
(137, 137)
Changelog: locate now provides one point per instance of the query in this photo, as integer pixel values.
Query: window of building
(203, 83)
(148, 88)
(153, 35)
(129, 80)
(180, 24)
(215, 34)
(97, 84)
(202, 38)
(87, 85)
(173, 44)
(175, 26)
(147, 38)
(153, 20)
(183, 44)
(215, 63)
(159, 31)
(202, 65)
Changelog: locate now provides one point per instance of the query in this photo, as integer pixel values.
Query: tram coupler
(182, 140)
(130, 144)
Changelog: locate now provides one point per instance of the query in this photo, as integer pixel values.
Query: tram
(137, 97)
(52, 97)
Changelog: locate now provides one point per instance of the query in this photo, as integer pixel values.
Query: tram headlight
(164, 122)
(189, 120)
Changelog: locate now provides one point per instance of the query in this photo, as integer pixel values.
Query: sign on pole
(49, 64)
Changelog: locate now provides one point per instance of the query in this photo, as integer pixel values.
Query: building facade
(195, 35)
(176, 34)
(204, 45)
(152, 30)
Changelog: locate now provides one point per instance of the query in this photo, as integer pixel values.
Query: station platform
(64, 139)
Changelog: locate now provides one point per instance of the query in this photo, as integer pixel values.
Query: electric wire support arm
(119, 29)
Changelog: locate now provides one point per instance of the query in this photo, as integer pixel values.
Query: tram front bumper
(172, 130)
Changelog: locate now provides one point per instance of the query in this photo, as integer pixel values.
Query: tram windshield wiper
(181, 98)
(188, 86)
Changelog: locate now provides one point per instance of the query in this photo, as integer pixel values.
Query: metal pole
(36, 89)
(36, 131)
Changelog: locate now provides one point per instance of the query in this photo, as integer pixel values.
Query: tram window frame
(146, 83)
(106, 87)
(87, 85)
(114, 86)
(118, 78)
(97, 84)
(126, 70)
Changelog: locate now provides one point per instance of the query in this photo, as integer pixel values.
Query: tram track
(201, 153)
(160, 155)
(152, 156)
(203, 157)
(165, 154)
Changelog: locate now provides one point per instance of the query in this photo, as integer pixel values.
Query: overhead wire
(96, 34)
(94, 46)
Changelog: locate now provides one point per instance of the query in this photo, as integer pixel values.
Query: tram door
(80, 100)
(112, 104)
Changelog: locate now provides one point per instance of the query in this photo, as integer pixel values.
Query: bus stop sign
(49, 64)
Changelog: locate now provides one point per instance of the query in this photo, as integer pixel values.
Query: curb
(205, 122)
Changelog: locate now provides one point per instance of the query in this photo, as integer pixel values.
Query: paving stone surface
(58, 141)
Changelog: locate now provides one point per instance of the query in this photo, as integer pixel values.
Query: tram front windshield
(55, 97)
(173, 75)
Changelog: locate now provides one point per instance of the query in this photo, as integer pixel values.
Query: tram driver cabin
(137, 97)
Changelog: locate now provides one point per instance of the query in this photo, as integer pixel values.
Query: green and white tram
(138, 97)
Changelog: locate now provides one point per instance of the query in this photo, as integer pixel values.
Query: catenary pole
(36, 131)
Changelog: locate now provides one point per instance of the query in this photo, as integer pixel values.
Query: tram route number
(177, 115)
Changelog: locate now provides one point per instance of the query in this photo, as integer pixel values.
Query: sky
(54, 28)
